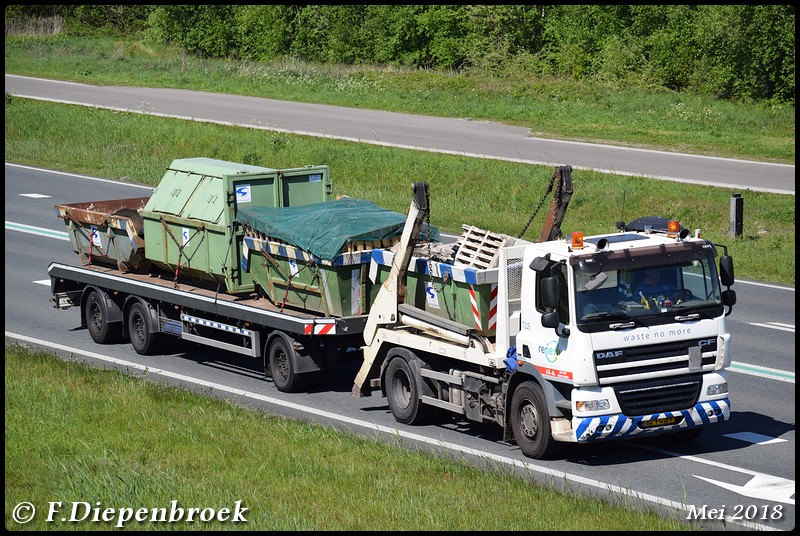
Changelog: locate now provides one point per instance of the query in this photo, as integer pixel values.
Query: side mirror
(726, 270)
(551, 320)
(729, 298)
(550, 292)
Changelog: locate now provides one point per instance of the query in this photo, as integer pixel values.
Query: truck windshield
(658, 288)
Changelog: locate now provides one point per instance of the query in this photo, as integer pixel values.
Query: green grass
(495, 195)
(550, 107)
(103, 436)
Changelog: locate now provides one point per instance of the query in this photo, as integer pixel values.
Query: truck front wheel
(531, 423)
(403, 395)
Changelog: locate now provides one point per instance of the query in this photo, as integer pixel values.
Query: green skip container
(317, 257)
(463, 294)
(189, 220)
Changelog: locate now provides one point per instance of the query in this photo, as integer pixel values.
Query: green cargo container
(189, 219)
(316, 257)
(462, 294)
(292, 277)
(107, 232)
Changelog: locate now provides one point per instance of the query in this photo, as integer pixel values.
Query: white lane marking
(763, 487)
(45, 282)
(75, 175)
(38, 231)
(561, 475)
(774, 325)
(36, 196)
(758, 439)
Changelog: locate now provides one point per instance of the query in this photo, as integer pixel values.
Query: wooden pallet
(479, 248)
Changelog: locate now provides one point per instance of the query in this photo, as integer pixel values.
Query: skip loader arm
(393, 291)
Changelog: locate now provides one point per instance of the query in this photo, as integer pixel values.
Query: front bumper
(620, 426)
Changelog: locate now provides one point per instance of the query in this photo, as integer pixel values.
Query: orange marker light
(673, 228)
(577, 240)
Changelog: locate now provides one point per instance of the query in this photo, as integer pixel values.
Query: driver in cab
(653, 287)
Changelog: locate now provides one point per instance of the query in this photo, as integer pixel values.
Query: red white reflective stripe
(493, 309)
(475, 311)
(326, 328)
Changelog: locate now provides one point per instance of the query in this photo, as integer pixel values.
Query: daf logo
(605, 355)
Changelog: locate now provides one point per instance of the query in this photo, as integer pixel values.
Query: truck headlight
(717, 389)
(592, 405)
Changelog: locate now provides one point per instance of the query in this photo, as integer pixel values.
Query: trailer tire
(142, 338)
(95, 316)
(403, 396)
(530, 422)
(281, 366)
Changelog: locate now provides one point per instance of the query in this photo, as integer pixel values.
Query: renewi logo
(550, 351)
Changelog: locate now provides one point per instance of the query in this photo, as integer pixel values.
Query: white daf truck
(576, 351)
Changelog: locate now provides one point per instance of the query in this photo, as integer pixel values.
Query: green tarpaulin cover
(325, 229)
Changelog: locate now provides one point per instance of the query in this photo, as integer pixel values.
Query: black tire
(142, 339)
(402, 393)
(531, 422)
(281, 367)
(101, 331)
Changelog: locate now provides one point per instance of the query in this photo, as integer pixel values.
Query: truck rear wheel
(281, 366)
(403, 395)
(531, 423)
(142, 339)
(100, 329)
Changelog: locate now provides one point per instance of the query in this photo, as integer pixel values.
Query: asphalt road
(737, 475)
(452, 136)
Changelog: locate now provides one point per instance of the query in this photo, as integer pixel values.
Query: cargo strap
(310, 264)
(180, 245)
(89, 237)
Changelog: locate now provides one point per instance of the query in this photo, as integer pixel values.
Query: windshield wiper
(628, 322)
(622, 325)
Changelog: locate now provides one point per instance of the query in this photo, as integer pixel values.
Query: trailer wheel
(142, 339)
(281, 366)
(531, 423)
(403, 396)
(97, 321)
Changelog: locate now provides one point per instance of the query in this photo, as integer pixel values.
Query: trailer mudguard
(152, 317)
(111, 309)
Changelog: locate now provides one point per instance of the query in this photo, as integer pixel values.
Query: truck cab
(615, 361)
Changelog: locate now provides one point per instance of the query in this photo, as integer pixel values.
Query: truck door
(544, 346)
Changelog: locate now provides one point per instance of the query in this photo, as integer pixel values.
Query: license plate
(664, 421)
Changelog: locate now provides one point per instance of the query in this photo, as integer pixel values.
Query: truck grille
(659, 396)
(615, 366)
